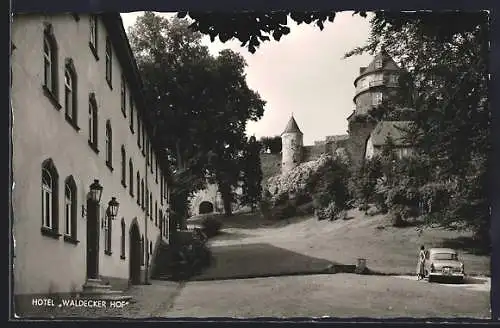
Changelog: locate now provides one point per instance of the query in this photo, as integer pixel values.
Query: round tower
(374, 85)
(292, 143)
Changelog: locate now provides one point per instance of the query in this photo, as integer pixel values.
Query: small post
(361, 266)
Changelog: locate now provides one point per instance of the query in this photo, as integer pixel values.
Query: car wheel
(430, 278)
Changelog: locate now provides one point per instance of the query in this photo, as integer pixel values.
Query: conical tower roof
(292, 127)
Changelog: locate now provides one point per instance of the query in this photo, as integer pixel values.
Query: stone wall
(359, 132)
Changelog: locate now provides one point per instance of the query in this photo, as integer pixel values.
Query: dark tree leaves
(252, 28)
(198, 104)
(445, 55)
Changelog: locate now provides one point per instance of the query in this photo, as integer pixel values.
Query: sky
(303, 75)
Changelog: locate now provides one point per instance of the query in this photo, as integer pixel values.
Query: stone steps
(95, 289)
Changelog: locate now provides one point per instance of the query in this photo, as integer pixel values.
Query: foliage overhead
(253, 28)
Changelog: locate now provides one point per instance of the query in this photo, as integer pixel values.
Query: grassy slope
(389, 250)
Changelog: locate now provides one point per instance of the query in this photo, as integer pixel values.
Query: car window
(444, 256)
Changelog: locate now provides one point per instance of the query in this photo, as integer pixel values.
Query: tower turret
(292, 143)
(375, 84)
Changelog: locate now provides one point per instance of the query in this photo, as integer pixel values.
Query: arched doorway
(206, 207)
(135, 253)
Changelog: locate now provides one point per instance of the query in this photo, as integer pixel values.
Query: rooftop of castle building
(336, 138)
(292, 127)
(396, 130)
(381, 61)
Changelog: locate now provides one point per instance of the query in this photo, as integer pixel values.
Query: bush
(331, 212)
(397, 220)
(281, 199)
(305, 209)
(321, 200)
(285, 211)
(364, 207)
(211, 226)
(302, 198)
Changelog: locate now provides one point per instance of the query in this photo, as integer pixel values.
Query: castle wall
(359, 132)
(310, 153)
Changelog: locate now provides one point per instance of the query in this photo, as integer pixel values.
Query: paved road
(338, 295)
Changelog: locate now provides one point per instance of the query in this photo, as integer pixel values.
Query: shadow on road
(261, 260)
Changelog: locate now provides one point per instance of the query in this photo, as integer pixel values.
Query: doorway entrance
(135, 254)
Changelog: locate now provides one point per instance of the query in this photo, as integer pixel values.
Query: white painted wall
(41, 132)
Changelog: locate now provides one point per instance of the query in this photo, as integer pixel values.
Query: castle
(366, 136)
(375, 83)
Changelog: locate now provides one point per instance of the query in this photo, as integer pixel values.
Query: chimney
(361, 70)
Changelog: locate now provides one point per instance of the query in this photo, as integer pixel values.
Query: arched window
(108, 224)
(142, 250)
(50, 64)
(156, 170)
(160, 219)
(124, 166)
(70, 209)
(150, 247)
(70, 93)
(109, 145)
(142, 193)
(151, 205)
(138, 188)
(131, 104)
(122, 244)
(123, 93)
(156, 213)
(147, 200)
(93, 123)
(131, 177)
(138, 131)
(161, 189)
(93, 38)
(109, 63)
(50, 219)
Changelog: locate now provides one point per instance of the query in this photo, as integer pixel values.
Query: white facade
(43, 132)
(292, 144)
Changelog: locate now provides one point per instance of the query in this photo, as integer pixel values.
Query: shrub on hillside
(331, 212)
(305, 209)
(281, 199)
(211, 226)
(329, 184)
(284, 211)
(302, 197)
(364, 208)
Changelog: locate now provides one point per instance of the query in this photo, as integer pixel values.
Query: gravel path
(339, 295)
(147, 301)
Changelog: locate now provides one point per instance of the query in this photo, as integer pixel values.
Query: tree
(446, 59)
(252, 28)
(252, 174)
(197, 104)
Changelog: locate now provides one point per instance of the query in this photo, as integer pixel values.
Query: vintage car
(443, 263)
